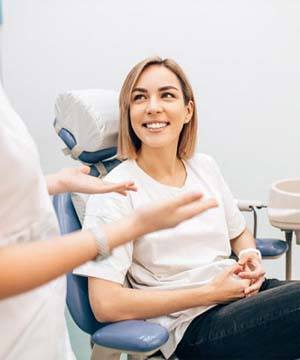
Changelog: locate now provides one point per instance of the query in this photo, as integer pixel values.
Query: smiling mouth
(156, 124)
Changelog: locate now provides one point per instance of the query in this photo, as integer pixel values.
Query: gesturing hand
(170, 213)
(78, 180)
(252, 270)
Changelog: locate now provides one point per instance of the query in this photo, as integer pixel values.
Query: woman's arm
(243, 241)
(111, 302)
(25, 266)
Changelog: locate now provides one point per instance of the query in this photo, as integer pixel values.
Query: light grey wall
(242, 58)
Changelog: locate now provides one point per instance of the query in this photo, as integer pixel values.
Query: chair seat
(271, 247)
(131, 335)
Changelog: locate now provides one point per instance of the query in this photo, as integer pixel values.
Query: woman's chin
(158, 144)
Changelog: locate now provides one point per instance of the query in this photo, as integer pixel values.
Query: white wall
(242, 58)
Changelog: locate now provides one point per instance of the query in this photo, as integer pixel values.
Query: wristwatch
(101, 242)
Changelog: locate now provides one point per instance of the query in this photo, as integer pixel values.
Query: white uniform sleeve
(235, 220)
(106, 208)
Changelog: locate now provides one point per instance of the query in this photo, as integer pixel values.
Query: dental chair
(87, 123)
(139, 339)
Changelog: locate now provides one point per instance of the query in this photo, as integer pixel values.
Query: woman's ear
(189, 112)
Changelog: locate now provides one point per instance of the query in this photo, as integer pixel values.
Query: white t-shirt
(32, 324)
(187, 256)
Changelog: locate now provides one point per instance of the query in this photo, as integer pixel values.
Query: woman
(33, 256)
(212, 306)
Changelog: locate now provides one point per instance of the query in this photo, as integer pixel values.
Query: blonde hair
(128, 143)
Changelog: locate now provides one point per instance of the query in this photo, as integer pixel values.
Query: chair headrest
(88, 122)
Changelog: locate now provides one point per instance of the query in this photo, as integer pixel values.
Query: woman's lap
(265, 326)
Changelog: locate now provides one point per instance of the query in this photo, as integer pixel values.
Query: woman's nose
(153, 106)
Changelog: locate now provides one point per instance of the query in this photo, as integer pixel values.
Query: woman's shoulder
(121, 172)
(106, 203)
(202, 159)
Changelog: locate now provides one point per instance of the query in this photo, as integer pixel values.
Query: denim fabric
(264, 326)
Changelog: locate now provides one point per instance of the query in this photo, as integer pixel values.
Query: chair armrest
(131, 335)
(248, 205)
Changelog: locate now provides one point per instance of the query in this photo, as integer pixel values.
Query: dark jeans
(264, 326)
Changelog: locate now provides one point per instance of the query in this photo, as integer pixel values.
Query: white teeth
(157, 125)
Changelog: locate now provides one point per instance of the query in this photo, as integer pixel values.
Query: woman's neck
(163, 165)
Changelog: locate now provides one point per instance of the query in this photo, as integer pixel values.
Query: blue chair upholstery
(105, 156)
(86, 156)
(271, 248)
(127, 336)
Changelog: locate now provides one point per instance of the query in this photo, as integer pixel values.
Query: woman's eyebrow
(139, 90)
(163, 88)
(168, 87)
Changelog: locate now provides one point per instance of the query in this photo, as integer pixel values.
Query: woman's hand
(253, 271)
(170, 213)
(78, 180)
(228, 286)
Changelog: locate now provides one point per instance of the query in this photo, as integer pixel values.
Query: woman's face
(157, 109)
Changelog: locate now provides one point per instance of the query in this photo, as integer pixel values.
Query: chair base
(101, 353)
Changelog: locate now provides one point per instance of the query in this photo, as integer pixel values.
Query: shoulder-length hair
(128, 143)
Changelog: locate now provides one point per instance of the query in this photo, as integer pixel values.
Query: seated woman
(183, 278)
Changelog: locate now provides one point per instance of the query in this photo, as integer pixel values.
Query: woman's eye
(167, 95)
(139, 97)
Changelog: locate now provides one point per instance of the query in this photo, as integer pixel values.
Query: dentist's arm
(25, 266)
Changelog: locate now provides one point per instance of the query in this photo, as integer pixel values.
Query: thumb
(236, 269)
(243, 261)
(85, 169)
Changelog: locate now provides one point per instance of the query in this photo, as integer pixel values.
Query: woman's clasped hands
(240, 280)
(253, 271)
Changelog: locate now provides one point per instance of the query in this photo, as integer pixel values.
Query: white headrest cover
(91, 116)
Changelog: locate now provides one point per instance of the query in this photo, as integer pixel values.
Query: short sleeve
(235, 220)
(101, 209)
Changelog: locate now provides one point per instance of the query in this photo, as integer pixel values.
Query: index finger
(196, 207)
(122, 186)
(252, 274)
(186, 198)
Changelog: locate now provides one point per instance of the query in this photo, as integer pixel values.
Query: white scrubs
(32, 324)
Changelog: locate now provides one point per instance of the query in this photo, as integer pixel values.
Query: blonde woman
(183, 278)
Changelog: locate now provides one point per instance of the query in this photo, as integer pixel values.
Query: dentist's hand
(78, 180)
(156, 217)
(170, 213)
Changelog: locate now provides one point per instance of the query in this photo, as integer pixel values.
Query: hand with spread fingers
(78, 180)
(252, 270)
(170, 213)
